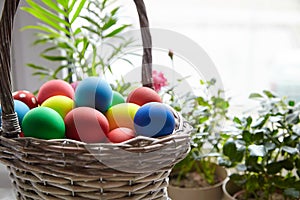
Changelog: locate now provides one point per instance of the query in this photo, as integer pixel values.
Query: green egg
(43, 123)
(117, 99)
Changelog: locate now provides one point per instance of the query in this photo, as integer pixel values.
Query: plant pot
(212, 192)
(229, 189)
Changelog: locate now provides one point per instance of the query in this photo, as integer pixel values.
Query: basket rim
(183, 126)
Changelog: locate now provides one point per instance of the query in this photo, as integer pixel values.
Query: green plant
(72, 45)
(207, 115)
(265, 149)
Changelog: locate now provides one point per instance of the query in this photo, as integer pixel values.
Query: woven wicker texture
(67, 169)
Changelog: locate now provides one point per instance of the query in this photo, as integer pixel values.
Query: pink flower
(159, 80)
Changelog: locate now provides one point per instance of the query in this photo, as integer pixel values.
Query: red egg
(26, 97)
(120, 135)
(143, 95)
(54, 88)
(87, 125)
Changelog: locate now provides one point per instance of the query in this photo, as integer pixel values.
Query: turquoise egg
(20, 108)
(95, 93)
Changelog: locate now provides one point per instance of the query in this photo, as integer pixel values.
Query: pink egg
(120, 135)
(54, 88)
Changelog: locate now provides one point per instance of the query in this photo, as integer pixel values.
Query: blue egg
(20, 108)
(154, 120)
(93, 92)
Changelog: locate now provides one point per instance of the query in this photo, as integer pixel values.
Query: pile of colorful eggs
(91, 112)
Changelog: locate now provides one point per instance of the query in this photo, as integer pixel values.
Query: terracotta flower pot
(212, 193)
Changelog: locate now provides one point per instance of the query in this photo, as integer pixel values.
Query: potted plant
(72, 32)
(198, 176)
(265, 152)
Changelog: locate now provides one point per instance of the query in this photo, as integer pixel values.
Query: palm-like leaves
(59, 29)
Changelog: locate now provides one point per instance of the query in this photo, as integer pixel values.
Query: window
(253, 43)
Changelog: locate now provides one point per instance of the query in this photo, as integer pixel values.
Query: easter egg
(143, 95)
(60, 104)
(75, 84)
(43, 123)
(20, 108)
(87, 125)
(93, 92)
(54, 88)
(117, 99)
(154, 120)
(121, 115)
(26, 97)
(120, 135)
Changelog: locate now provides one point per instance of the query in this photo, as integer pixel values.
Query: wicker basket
(67, 169)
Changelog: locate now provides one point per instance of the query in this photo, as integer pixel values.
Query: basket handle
(147, 44)
(10, 126)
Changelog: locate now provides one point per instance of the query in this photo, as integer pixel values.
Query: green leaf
(71, 7)
(203, 119)
(54, 7)
(255, 95)
(297, 163)
(54, 58)
(41, 27)
(269, 94)
(274, 168)
(64, 3)
(46, 13)
(116, 31)
(247, 137)
(292, 192)
(46, 20)
(293, 118)
(77, 31)
(290, 150)
(239, 155)
(201, 101)
(42, 74)
(257, 150)
(36, 67)
(252, 184)
(90, 29)
(55, 73)
(224, 162)
(230, 149)
(257, 136)
(270, 146)
(109, 24)
(114, 11)
(49, 49)
(259, 123)
(92, 21)
(287, 164)
(237, 120)
(78, 10)
(291, 103)
(249, 121)
(252, 165)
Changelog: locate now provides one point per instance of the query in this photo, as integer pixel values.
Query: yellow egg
(60, 104)
(122, 115)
